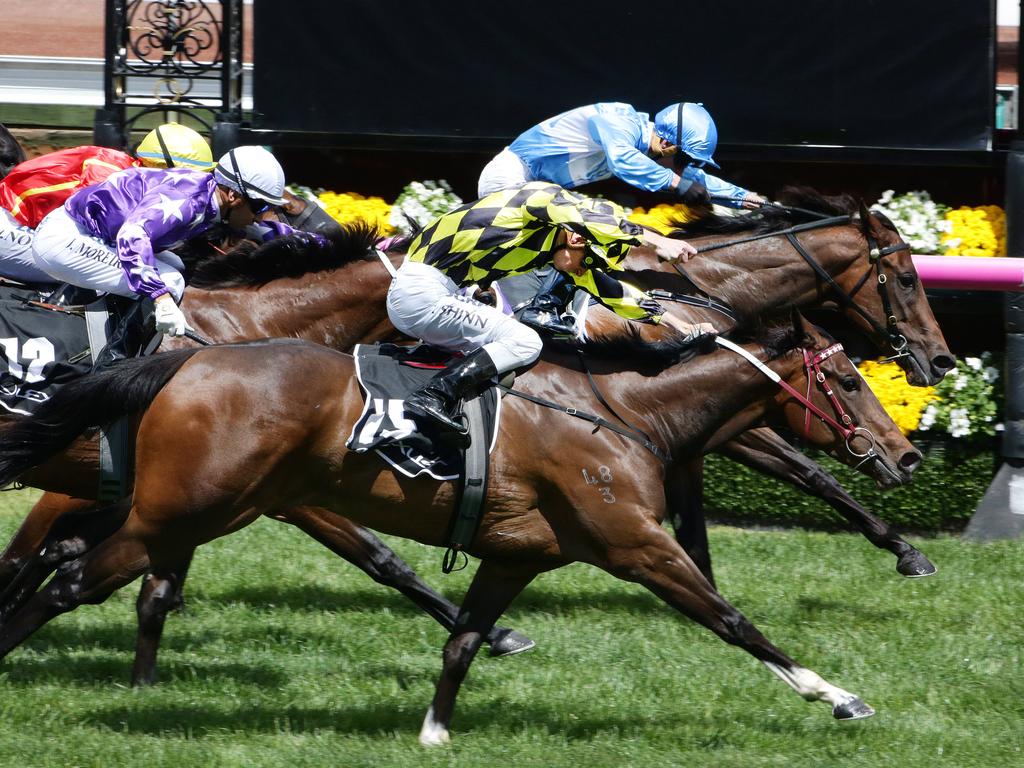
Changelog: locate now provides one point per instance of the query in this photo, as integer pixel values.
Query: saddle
(50, 336)
(389, 373)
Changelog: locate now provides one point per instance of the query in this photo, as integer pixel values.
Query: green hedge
(943, 495)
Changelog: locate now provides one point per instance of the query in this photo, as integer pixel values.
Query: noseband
(842, 422)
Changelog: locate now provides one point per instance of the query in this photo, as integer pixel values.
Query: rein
(876, 257)
(631, 433)
(841, 422)
(708, 302)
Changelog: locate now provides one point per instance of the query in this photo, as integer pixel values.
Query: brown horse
(765, 272)
(158, 596)
(333, 296)
(205, 467)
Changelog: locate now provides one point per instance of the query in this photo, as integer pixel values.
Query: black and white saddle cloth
(48, 339)
(388, 374)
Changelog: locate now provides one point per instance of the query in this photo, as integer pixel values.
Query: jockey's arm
(620, 136)
(631, 303)
(720, 188)
(135, 252)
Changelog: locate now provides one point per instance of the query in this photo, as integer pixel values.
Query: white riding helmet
(252, 172)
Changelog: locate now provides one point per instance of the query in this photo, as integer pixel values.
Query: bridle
(840, 421)
(876, 257)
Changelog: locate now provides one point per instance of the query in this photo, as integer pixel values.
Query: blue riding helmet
(689, 127)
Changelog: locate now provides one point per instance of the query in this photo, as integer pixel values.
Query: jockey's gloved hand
(169, 318)
(695, 194)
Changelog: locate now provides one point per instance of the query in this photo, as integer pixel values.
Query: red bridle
(841, 422)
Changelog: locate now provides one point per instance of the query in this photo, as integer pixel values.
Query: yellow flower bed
(659, 216)
(977, 231)
(902, 402)
(346, 207)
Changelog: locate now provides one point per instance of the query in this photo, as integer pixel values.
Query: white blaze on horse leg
(433, 733)
(810, 685)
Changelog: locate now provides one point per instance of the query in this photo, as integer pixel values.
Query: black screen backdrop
(854, 73)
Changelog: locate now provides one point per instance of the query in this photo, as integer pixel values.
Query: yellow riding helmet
(173, 145)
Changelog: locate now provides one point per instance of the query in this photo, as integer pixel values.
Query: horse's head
(886, 287)
(845, 420)
(11, 152)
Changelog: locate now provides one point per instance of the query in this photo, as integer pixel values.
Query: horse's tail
(94, 400)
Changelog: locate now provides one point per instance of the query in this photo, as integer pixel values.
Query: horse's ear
(799, 331)
(799, 328)
(865, 215)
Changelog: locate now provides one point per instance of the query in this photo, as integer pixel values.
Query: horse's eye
(908, 279)
(850, 383)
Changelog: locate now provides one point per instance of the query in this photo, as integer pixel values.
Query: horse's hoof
(913, 565)
(509, 642)
(433, 733)
(854, 709)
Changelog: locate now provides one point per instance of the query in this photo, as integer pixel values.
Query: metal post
(1000, 514)
(172, 59)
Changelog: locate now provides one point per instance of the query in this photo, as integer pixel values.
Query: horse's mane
(253, 264)
(776, 339)
(767, 220)
(632, 347)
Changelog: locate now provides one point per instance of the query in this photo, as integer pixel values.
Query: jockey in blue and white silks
(598, 141)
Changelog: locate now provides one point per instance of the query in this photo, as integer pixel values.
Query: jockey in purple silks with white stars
(117, 236)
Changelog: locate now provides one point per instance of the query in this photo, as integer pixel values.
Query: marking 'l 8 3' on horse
(231, 432)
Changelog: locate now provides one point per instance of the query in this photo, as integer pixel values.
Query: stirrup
(437, 417)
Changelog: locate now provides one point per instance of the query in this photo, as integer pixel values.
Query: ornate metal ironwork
(166, 56)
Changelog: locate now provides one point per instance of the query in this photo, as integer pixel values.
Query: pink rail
(971, 273)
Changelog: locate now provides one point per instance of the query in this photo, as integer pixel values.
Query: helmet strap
(163, 148)
(679, 127)
(243, 185)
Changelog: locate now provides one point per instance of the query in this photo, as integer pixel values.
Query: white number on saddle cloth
(39, 353)
(386, 421)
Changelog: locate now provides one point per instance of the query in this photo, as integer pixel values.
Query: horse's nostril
(910, 461)
(941, 364)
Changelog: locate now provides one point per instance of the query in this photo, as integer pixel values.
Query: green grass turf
(288, 657)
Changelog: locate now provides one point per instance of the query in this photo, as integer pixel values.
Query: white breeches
(505, 171)
(16, 260)
(425, 304)
(70, 255)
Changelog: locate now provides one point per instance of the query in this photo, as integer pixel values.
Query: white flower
(973, 363)
(991, 374)
(959, 382)
(928, 418)
(959, 422)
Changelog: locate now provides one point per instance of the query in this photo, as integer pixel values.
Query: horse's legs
(161, 592)
(684, 496)
(30, 535)
(360, 547)
(91, 578)
(765, 451)
(494, 586)
(70, 536)
(661, 566)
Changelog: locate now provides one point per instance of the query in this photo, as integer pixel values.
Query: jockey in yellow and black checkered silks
(517, 230)
(508, 233)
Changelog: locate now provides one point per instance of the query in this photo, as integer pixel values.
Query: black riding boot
(442, 393)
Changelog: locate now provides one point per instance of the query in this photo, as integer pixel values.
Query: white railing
(72, 81)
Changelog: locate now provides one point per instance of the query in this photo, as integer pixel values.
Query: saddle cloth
(388, 374)
(47, 340)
